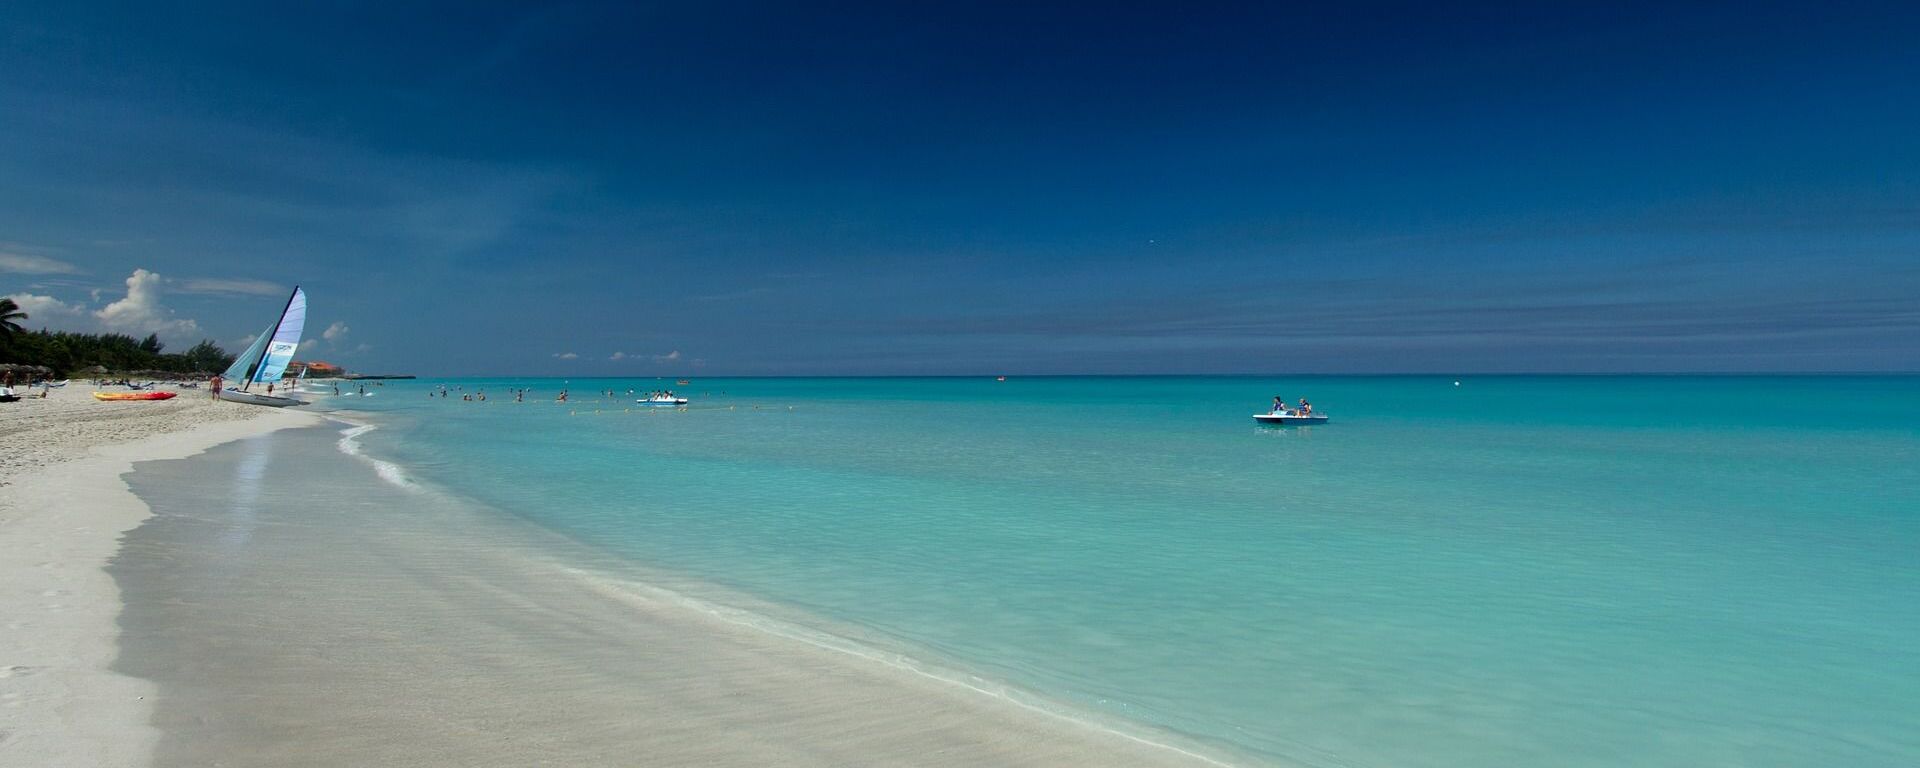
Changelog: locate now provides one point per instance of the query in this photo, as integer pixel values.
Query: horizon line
(1482, 374)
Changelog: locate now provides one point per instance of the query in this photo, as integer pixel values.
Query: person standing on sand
(213, 387)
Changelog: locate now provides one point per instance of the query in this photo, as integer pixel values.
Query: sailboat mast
(275, 329)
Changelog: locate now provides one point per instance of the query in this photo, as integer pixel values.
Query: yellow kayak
(134, 395)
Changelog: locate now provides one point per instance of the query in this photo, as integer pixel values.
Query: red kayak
(134, 395)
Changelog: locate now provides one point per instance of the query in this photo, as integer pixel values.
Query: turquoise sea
(1510, 571)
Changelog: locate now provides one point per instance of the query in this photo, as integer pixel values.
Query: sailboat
(267, 357)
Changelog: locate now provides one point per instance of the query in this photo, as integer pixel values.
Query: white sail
(267, 358)
(286, 338)
(237, 373)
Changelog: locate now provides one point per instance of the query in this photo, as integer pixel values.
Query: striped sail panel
(286, 339)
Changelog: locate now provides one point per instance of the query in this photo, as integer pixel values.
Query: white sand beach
(379, 642)
(63, 508)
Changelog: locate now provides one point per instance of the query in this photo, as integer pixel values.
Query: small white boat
(1290, 418)
(662, 400)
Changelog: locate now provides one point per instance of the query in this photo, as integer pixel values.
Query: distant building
(316, 368)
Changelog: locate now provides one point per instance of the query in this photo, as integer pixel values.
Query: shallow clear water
(1657, 571)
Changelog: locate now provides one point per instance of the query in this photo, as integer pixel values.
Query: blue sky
(704, 189)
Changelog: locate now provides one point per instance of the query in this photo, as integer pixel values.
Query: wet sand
(63, 507)
(294, 609)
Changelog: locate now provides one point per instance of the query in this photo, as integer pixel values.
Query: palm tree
(9, 313)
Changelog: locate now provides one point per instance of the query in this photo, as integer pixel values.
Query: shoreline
(645, 587)
(78, 686)
(484, 647)
(63, 514)
(642, 585)
(524, 642)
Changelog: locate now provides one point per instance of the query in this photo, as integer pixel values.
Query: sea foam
(349, 444)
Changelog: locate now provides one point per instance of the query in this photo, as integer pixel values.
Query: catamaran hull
(1279, 419)
(665, 403)
(251, 398)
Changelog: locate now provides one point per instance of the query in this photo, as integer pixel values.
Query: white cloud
(565, 355)
(141, 312)
(47, 309)
(668, 357)
(335, 333)
(307, 345)
(35, 265)
(236, 286)
(617, 356)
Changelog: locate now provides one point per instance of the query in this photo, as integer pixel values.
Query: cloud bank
(140, 312)
(35, 265)
(226, 286)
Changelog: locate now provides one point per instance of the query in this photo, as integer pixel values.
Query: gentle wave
(349, 444)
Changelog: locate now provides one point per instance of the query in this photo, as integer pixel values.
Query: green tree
(207, 356)
(10, 317)
(67, 352)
